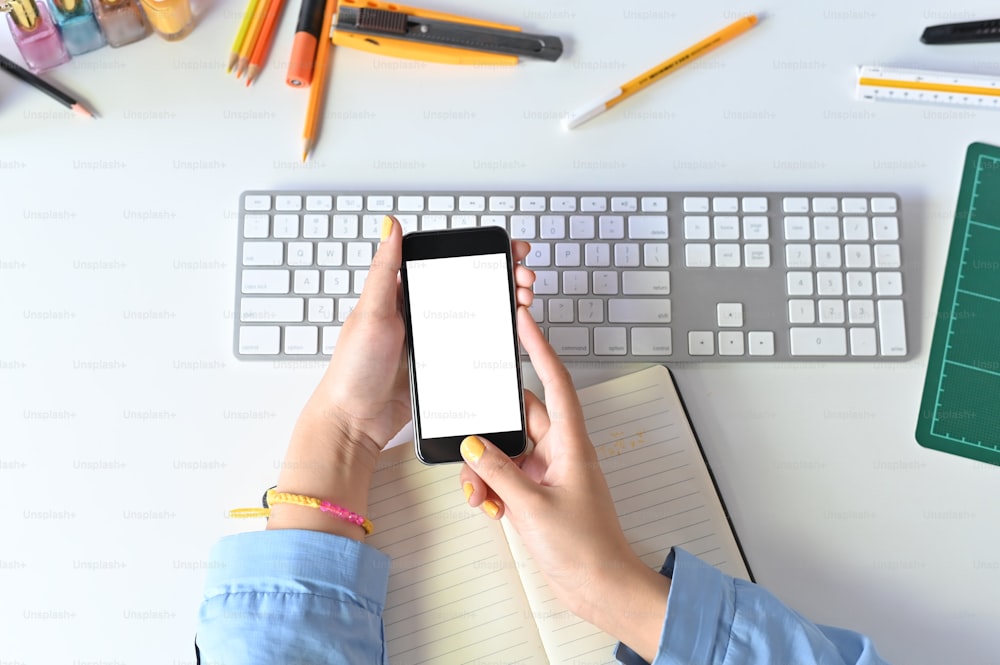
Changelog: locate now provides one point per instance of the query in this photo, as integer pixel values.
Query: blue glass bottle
(78, 25)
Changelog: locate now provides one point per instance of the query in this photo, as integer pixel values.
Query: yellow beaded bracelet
(272, 497)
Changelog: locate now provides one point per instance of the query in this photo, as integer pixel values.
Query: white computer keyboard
(621, 276)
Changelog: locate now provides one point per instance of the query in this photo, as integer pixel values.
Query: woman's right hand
(558, 501)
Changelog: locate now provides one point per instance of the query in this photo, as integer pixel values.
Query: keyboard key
(379, 203)
(501, 221)
(350, 203)
(795, 204)
(371, 226)
(754, 204)
(575, 282)
(859, 283)
(656, 254)
(817, 342)
(463, 221)
(320, 310)
(825, 204)
(701, 343)
(256, 226)
(799, 283)
(502, 204)
(857, 256)
(729, 314)
(300, 253)
(801, 311)
(831, 311)
(539, 256)
(301, 340)
(696, 227)
(286, 226)
(798, 256)
(272, 310)
(623, 204)
(645, 282)
(433, 222)
(797, 228)
(605, 282)
(854, 205)
(760, 343)
(757, 256)
(647, 227)
(860, 311)
(265, 281)
(330, 336)
(441, 203)
(410, 203)
(521, 227)
(345, 226)
(650, 341)
(287, 202)
(306, 281)
(829, 283)
(260, 340)
(886, 256)
(654, 204)
(755, 228)
(552, 226)
(561, 310)
(257, 202)
(315, 226)
(336, 282)
(610, 341)
(263, 253)
(537, 310)
(344, 308)
(628, 310)
(725, 204)
(359, 253)
(891, 328)
(885, 228)
(731, 343)
(727, 255)
(546, 282)
(889, 283)
(319, 203)
(626, 255)
(883, 204)
(563, 203)
(863, 342)
(581, 227)
(472, 203)
(727, 227)
(827, 256)
(855, 228)
(697, 255)
(593, 204)
(597, 255)
(695, 204)
(531, 204)
(330, 253)
(590, 310)
(570, 341)
(567, 254)
(611, 227)
(826, 228)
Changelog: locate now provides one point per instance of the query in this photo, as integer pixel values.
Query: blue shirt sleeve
(293, 597)
(715, 619)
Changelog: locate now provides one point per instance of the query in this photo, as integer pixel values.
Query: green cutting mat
(960, 409)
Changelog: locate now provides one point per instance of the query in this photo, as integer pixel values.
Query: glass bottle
(79, 28)
(172, 19)
(35, 34)
(122, 21)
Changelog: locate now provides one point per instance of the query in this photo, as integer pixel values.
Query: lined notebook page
(663, 493)
(454, 592)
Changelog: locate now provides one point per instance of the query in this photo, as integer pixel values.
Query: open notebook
(462, 588)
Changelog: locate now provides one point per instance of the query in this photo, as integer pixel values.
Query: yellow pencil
(318, 88)
(618, 95)
(234, 52)
(252, 33)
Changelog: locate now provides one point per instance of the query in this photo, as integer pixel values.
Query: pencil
(23, 74)
(264, 40)
(318, 87)
(252, 33)
(585, 113)
(234, 52)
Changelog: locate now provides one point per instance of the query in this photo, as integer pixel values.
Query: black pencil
(19, 72)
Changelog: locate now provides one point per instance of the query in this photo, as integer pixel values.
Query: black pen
(962, 33)
(19, 72)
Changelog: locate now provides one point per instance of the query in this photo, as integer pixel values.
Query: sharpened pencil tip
(82, 110)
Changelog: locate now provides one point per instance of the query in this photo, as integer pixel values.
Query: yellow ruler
(889, 84)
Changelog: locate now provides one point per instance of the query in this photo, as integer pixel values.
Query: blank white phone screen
(463, 343)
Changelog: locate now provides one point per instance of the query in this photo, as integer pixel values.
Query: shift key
(276, 310)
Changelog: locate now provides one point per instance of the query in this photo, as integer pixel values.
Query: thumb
(497, 470)
(379, 296)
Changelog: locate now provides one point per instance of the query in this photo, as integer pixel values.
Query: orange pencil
(251, 39)
(265, 39)
(318, 87)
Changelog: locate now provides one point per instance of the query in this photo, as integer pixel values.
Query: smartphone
(465, 370)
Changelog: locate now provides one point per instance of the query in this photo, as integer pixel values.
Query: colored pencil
(23, 74)
(241, 34)
(251, 39)
(265, 39)
(318, 88)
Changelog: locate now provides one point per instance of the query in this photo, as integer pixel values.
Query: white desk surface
(129, 428)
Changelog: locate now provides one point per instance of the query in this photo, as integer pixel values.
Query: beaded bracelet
(272, 497)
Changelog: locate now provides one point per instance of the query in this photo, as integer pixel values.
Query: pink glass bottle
(35, 34)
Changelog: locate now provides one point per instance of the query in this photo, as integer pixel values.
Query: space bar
(818, 342)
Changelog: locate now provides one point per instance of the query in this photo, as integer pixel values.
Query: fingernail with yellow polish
(468, 489)
(386, 226)
(472, 448)
(491, 508)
